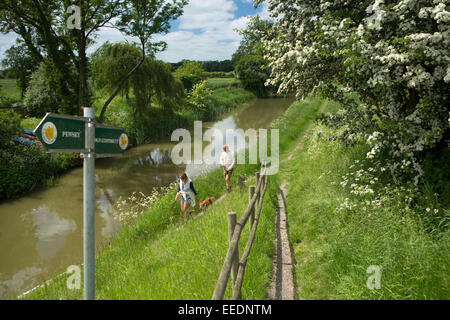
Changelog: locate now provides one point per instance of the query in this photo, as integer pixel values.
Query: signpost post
(60, 134)
(89, 206)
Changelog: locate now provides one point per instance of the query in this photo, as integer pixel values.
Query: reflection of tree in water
(159, 181)
(105, 206)
(156, 158)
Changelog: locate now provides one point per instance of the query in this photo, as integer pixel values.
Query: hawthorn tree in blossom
(386, 61)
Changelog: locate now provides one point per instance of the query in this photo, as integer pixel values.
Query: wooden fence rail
(232, 264)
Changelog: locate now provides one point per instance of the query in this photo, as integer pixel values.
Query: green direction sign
(60, 133)
(110, 141)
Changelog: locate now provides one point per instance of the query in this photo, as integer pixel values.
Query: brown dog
(208, 201)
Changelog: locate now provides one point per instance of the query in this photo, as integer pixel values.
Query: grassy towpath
(282, 286)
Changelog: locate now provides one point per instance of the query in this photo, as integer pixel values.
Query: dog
(208, 201)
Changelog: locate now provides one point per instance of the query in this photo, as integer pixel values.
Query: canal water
(42, 232)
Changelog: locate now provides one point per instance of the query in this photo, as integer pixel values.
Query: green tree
(42, 94)
(111, 62)
(142, 19)
(218, 66)
(155, 82)
(43, 27)
(190, 73)
(249, 62)
(9, 127)
(4, 99)
(20, 65)
(152, 81)
(199, 99)
(251, 70)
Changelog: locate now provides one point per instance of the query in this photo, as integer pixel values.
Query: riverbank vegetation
(251, 67)
(22, 168)
(150, 125)
(363, 218)
(151, 104)
(380, 161)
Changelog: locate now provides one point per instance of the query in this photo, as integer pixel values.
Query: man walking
(227, 163)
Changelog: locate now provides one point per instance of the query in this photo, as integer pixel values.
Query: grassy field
(216, 83)
(339, 235)
(10, 88)
(225, 99)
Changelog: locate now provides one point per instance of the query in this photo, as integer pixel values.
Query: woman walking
(187, 193)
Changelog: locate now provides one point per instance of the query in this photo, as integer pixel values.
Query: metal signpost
(60, 134)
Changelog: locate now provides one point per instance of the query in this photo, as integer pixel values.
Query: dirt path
(282, 285)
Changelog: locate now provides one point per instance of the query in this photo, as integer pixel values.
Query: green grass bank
(339, 230)
(161, 256)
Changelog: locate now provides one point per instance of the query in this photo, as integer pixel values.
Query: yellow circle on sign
(49, 132)
(123, 141)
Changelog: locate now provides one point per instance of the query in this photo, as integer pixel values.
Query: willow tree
(248, 60)
(142, 19)
(110, 63)
(153, 81)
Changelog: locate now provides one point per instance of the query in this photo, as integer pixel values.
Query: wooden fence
(232, 264)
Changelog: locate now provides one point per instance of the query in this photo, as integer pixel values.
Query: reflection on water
(42, 232)
(105, 204)
(50, 231)
(155, 158)
(21, 279)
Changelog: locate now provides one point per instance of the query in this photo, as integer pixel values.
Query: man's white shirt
(227, 160)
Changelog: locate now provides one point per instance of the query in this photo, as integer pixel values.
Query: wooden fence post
(241, 181)
(232, 220)
(232, 264)
(258, 177)
(251, 192)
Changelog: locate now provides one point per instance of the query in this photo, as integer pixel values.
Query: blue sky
(204, 32)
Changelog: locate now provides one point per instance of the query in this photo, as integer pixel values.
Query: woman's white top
(186, 190)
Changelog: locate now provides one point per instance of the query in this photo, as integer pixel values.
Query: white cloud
(205, 32)
(108, 34)
(6, 41)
